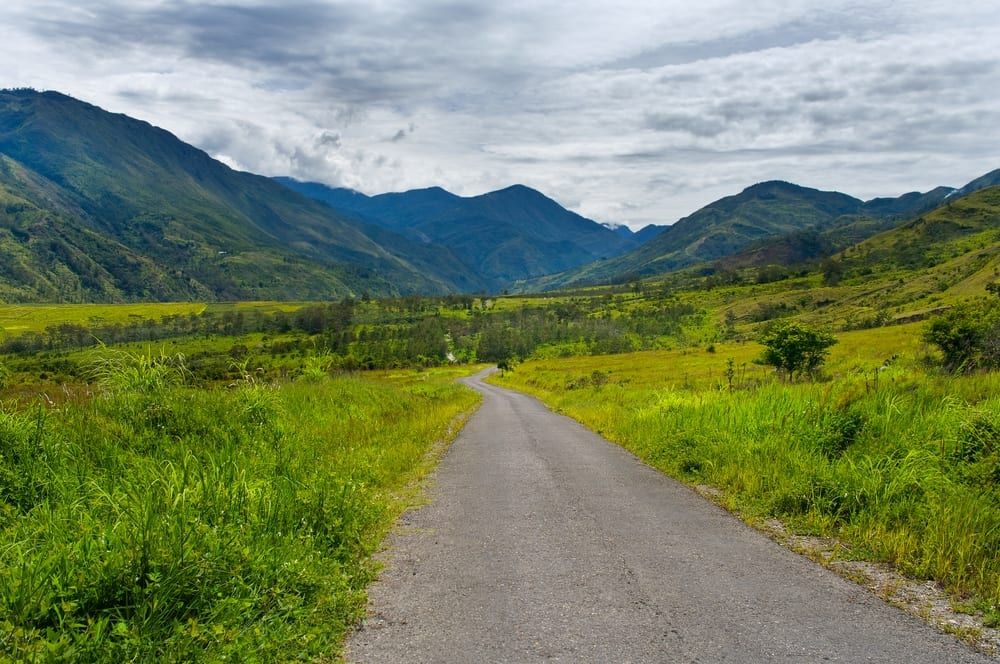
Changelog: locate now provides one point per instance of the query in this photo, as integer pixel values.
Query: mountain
(875, 217)
(503, 236)
(100, 206)
(621, 229)
(907, 204)
(964, 226)
(768, 223)
(764, 210)
(648, 232)
(991, 179)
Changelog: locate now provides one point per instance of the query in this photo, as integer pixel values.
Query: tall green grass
(905, 469)
(163, 523)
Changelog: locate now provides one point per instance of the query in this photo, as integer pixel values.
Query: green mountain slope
(503, 236)
(87, 183)
(722, 228)
(963, 226)
(875, 216)
(772, 223)
(904, 274)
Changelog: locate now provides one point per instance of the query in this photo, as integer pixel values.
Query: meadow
(884, 451)
(17, 319)
(150, 520)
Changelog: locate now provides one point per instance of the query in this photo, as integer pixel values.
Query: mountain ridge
(510, 234)
(100, 206)
(770, 211)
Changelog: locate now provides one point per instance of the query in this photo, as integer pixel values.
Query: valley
(219, 391)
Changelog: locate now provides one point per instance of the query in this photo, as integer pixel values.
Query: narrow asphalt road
(544, 542)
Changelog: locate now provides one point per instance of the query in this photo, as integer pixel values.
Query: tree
(968, 335)
(730, 323)
(795, 349)
(833, 271)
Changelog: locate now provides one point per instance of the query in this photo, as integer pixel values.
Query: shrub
(599, 378)
(792, 348)
(968, 335)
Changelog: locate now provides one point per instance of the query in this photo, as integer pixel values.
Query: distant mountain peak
(520, 190)
(506, 235)
(434, 189)
(769, 186)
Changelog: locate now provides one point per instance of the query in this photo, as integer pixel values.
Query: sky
(627, 112)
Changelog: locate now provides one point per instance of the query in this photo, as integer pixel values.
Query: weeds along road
(544, 542)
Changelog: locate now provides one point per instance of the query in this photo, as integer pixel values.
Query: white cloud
(635, 113)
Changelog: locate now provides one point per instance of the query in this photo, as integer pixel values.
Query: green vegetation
(100, 207)
(968, 335)
(155, 521)
(793, 348)
(279, 340)
(901, 463)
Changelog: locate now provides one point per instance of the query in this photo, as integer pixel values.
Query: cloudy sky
(628, 111)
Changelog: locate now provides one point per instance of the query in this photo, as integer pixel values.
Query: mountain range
(96, 206)
(503, 236)
(771, 221)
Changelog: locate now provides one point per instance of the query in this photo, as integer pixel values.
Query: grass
(901, 463)
(20, 318)
(159, 522)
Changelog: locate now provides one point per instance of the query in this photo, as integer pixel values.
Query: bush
(792, 348)
(599, 378)
(968, 335)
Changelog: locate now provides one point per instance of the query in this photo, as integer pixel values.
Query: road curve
(544, 542)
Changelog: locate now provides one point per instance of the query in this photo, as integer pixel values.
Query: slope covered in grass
(901, 464)
(156, 522)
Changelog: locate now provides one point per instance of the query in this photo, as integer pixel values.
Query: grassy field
(154, 521)
(19, 318)
(886, 453)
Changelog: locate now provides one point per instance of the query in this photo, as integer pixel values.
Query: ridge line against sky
(636, 112)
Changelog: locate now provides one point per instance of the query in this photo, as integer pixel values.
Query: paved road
(544, 542)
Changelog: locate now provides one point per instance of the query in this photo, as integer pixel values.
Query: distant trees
(771, 273)
(410, 331)
(795, 349)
